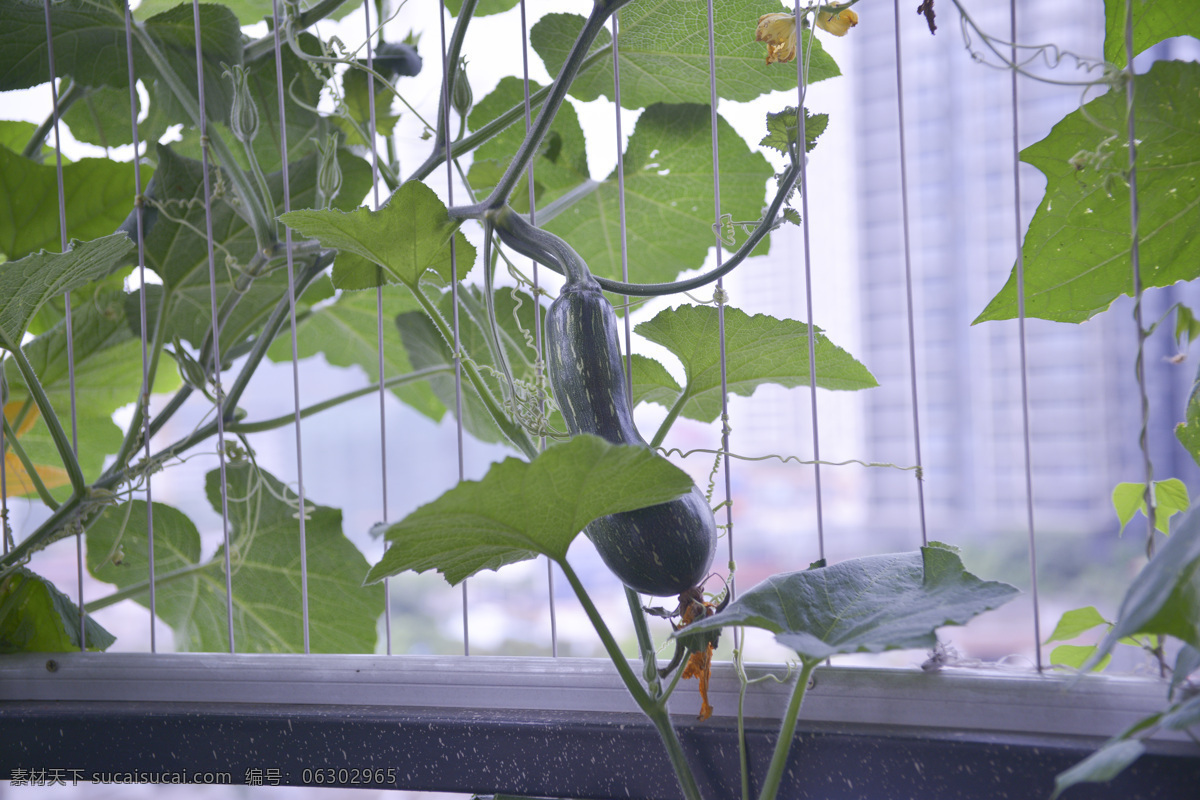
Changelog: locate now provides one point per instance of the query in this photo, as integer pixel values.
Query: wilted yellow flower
(838, 22)
(779, 32)
(19, 482)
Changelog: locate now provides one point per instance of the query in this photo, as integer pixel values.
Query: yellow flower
(779, 32)
(836, 23)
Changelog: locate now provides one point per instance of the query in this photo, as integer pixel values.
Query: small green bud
(329, 171)
(462, 98)
(243, 113)
(189, 368)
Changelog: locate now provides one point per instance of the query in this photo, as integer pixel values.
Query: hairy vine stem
(655, 710)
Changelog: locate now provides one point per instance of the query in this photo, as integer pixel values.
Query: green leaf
(426, 348)
(485, 7)
(1161, 599)
(248, 11)
(1170, 498)
(29, 282)
(1075, 622)
(522, 509)
(1101, 766)
(1075, 656)
(1188, 432)
(668, 197)
(1077, 248)
(864, 605)
(35, 617)
(1187, 327)
(1186, 662)
(345, 332)
(759, 350)
(101, 117)
(89, 45)
(1127, 500)
(1153, 21)
(265, 537)
(99, 194)
(15, 134)
(782, 129)
(562, 159)
(358, 105)
(410, 234)
(652, 383)
(664, 54)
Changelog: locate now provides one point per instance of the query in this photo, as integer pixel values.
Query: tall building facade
(1084, 402)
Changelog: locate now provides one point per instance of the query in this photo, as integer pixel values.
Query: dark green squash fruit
(661, 550)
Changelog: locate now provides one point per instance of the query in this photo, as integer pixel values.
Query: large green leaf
(1162, 599)
(1153, 21)
(664, 53)
(89, 45)
(35, 617)
(98, 196)
(426, 348)
(864, 605)
(562, 159)
(668, 196)
(15, 134)
(522, 509)
(1077, 249)
(652, 383)
(759, 349)
(27, 283)
(410, 234)
(265, 537)
(177, 251)
(346, 333)
(101, 117)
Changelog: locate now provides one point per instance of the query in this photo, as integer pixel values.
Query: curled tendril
(675, 451)
(1051, 55)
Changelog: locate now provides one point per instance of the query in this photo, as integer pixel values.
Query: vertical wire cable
(291, 281)
(447, 76)
(139, 211)
(616, 51)
(1135, 263)
(719, 295)
(62, 237)
(1020, 269)
(216, 328)
(802, 154)
(387, 587)
(537, 308)
(908, 282)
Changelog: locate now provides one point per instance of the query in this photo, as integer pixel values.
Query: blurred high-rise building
(1084, 401)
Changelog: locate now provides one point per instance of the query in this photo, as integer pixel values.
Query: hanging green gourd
(662, 550)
